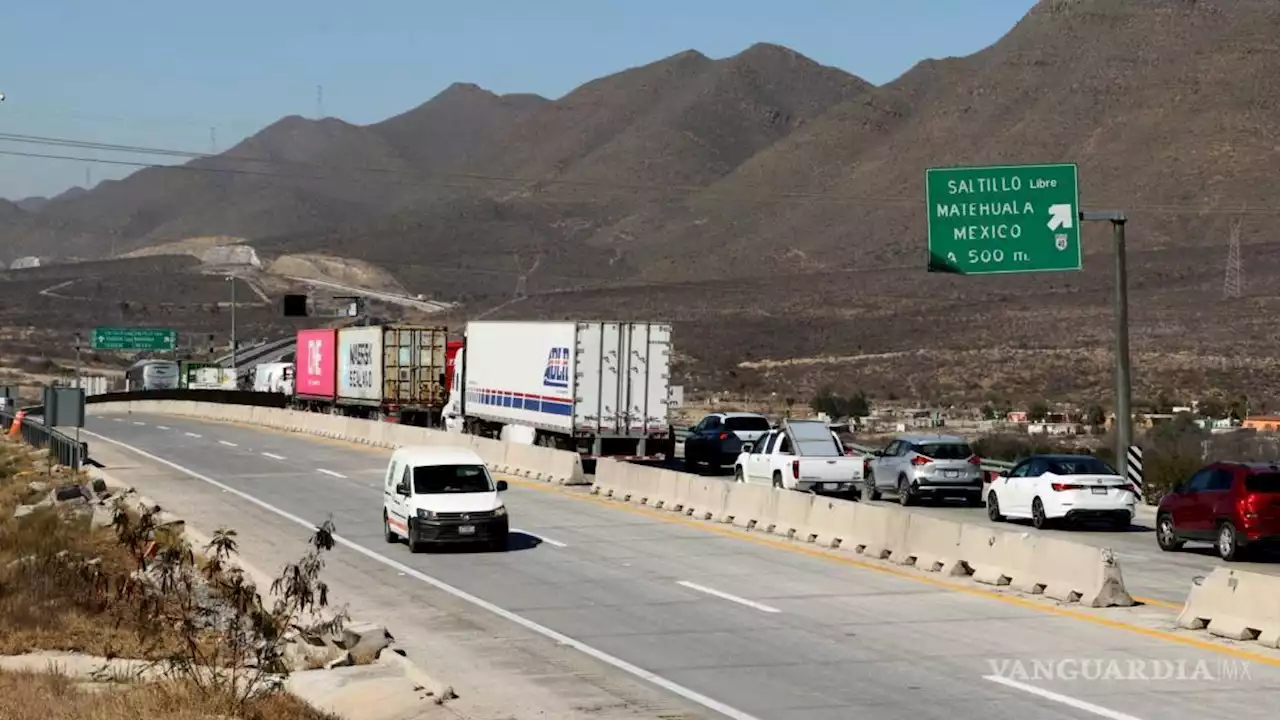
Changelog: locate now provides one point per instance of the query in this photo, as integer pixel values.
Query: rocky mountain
(765, 195)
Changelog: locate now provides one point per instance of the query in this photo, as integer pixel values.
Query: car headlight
(425, 514)
(500, 512)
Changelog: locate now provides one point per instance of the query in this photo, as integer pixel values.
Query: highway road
(1150, 573)
(717, 621)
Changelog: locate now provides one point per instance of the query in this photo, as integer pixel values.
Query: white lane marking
(138, 422)
(330, 472)
(604, 657)
(273, 456)
(191, 434)
(543, 538)
(118, 419)
(162, 427)
(1064, 699)
(727, 596)
(228, 444)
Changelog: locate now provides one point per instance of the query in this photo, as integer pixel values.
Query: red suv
(1236, 506)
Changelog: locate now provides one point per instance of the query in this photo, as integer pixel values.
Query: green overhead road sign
(1003, 219)
(105, 338)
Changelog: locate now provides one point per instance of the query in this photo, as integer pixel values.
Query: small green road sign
(106, 338)
(1003, 219)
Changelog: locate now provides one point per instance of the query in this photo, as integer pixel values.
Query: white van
(442, 494)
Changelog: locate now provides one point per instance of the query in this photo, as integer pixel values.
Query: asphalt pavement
(735, 626)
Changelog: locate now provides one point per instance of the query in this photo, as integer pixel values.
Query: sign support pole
(234, 360)
(1124, 391)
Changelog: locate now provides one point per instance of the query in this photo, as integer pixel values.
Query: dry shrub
(51, 696)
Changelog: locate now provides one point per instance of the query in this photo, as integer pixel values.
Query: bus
(152, 375)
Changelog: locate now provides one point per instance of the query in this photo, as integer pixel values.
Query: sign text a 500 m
(360, 364)
(1003, 219)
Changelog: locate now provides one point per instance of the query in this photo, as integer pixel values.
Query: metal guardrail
(65, 450)
(680, 432)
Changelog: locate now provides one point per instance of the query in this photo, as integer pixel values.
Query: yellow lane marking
(739, 534)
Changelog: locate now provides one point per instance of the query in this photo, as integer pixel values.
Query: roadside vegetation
(86, 572)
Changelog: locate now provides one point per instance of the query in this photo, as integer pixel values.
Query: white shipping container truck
(600, 388)
(360, 364)
(392, 372)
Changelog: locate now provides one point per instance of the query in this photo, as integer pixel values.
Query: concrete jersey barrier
(1235, 604)
(1031, 563)
(538, 463)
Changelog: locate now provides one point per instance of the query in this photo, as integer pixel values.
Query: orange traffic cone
(16, 427)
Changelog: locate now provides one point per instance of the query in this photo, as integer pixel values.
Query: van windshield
(440, 479)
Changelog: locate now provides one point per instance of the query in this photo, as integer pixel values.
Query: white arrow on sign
(1061, 216)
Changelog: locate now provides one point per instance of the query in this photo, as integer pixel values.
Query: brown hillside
(438, 134)
(1166, 106)
(683, 121)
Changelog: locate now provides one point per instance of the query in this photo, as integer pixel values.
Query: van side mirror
(748, 447)
(502, 486)
(402, 489)
(877, 453)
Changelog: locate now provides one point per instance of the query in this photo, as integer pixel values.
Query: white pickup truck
(802, 455)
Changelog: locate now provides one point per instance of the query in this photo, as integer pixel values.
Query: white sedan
(1048, 488)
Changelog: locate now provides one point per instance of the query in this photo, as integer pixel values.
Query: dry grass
(48, 598)
(50, 696)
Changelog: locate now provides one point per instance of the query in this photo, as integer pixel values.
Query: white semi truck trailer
(599, 388)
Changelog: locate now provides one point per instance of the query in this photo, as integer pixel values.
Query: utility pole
(1233, 283)
(1124, 392)
(213, 141)
(319, 102)
(234, 360)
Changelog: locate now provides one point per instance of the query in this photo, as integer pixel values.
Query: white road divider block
(1036, 564)
(931, 544)
(1076, 573)
(878, 530)
(1235, 604)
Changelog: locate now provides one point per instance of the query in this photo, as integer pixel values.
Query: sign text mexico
(1003, 219)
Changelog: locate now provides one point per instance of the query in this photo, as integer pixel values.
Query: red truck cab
(451, 349)
(1235, 506)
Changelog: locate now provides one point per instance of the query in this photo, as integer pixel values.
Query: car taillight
(795, 469)
(1062, 487)
(724, 436)
(975, 460)
(921, 460)
(1248, 505)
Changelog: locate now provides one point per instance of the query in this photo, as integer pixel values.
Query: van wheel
(777, 481)
(738, 476)
(498, 543)
(870, 493)
(415, 545)
(387, 533)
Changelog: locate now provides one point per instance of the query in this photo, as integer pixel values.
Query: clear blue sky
(161, 74)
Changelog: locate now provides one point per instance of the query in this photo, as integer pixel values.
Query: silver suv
(925, 466)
